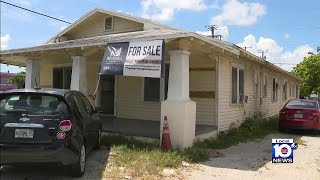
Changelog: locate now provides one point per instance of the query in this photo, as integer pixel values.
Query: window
(88, 105)
(62, 77)
(265, 87)
(297, 91)
(151, 91)
(256, 85)
(275, 87)
(237, 85)
(81, 107)
(293, 91)
(285, 91)
(302, 104)
(32, 104)
(108, 23)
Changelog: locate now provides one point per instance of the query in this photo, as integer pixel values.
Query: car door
(94, 123)
(84, 117)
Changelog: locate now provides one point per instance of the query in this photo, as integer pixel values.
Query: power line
(36, 12)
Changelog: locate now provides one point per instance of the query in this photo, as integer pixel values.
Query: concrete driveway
(96, 164)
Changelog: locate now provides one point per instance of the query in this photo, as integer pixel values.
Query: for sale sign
(139, 58)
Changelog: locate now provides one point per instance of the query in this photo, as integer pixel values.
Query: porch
(143, 128)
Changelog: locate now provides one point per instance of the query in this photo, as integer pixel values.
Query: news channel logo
(282, 150)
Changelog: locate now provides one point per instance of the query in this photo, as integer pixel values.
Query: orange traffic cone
(165, 141)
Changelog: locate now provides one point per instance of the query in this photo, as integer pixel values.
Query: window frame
(64, 69)
(239, 100)
(285, 90)
(166, 84)
(256, 84)
(265, 86)
(275, 89)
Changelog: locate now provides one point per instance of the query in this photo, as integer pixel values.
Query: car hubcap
(82, 158)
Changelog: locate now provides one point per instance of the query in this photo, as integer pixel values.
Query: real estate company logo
(114, 51)
(282, 150)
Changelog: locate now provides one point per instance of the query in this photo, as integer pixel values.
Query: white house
(208, 86)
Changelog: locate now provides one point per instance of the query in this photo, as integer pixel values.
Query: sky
(286, 30)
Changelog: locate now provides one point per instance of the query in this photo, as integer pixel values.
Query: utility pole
(247, 47)
(213, 28)
(262, 53)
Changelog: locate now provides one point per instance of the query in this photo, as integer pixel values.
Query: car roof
(306, 100)
(59, 92)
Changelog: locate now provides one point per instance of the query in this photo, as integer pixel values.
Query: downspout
(217, 93)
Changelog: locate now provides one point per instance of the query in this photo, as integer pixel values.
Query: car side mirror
(98, 109)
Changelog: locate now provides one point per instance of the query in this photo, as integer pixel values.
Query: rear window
(33, 104)
(302, 104)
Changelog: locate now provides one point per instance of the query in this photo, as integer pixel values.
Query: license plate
(299, 116)
(24, 133)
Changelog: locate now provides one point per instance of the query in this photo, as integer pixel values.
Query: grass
(250, 129)
(146, 161)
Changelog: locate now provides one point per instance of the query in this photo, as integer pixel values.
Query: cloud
(222, 30)
(274, 52)
(287, 36)
(164, 10)
(297, 55)
(5, 41)
(241, 14)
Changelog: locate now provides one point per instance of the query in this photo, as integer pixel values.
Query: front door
(107, 94)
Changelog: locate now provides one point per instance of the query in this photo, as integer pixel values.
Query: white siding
(204, 81)
(130, 100)
(95, 26)
(232, 115)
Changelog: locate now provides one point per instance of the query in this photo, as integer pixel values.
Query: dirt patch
(253, 160)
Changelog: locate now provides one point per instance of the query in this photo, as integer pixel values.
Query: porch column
(79, 74)
(32, 74)
(179, 109)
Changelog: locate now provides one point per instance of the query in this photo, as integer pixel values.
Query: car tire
(78, 169)
(282, 129)
(98, 145)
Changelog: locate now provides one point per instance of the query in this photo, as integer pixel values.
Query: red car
(300, 114)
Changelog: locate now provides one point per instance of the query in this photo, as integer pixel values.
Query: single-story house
(206, 86)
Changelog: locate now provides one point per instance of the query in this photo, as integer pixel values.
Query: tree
(309, 71)
(18, 79)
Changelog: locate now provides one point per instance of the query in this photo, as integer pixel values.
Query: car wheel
(98, 140)
(282, 129)
(78, 168)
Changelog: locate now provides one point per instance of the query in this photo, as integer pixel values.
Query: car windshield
(32, 103)
(302, 104)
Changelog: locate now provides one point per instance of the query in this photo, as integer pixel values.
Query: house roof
(144, 35)
(121, 37)
(113, 13)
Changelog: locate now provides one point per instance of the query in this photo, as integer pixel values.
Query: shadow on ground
(251, 156)
(96, 165)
